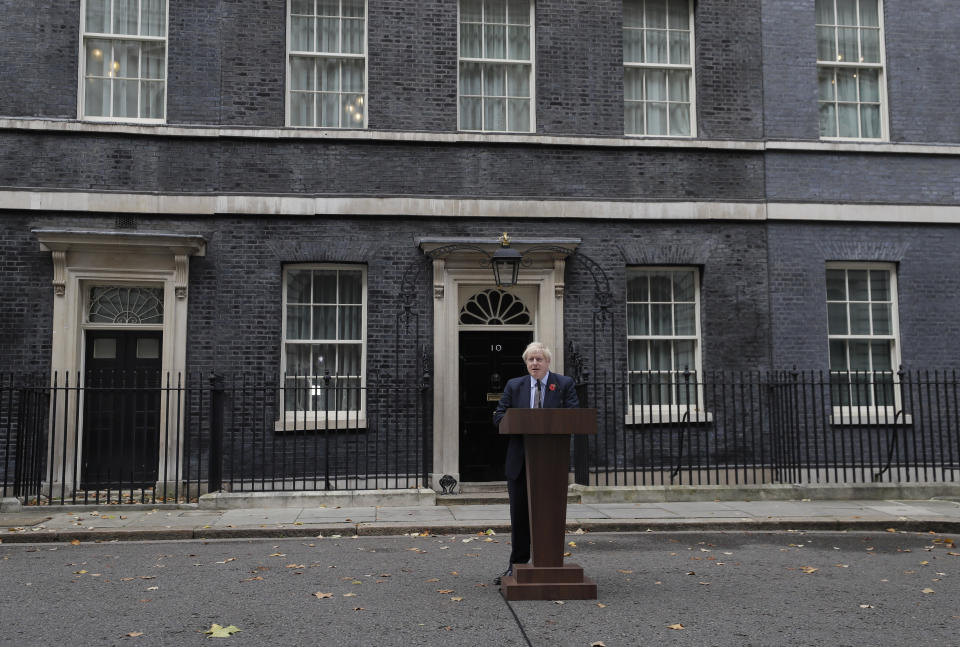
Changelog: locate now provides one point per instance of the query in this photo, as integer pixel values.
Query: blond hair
(536, 347)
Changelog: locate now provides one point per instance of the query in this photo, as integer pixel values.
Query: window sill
(321, 422)
(666, 416)
(133, 121)
(842, 416)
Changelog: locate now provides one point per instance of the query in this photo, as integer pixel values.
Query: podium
(546, 440)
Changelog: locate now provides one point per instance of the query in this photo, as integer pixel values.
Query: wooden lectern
(546, 441)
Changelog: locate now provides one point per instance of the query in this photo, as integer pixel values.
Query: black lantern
(506, 263)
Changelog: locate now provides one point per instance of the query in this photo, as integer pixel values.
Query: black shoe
(499, 578)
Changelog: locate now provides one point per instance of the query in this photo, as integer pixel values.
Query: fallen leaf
(807, 570)
(359, 609)
(676, 627)
(216, 631)
(433, 579)
(928, 591)
(601, 605)
(153, 588)
(866, 606)
(625, 571)
(349, 595)
(444, 590)
(572, 544)
(134, 634)
(252, 579)
(322, 596)
(457, 599)
(75, 542)
(598, 644)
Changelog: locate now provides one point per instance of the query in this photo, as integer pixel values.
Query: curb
(385, 530)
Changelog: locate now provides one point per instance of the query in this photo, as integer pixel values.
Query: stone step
(485, 498)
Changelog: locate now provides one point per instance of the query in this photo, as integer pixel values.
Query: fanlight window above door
(111, 304)
(494, 308)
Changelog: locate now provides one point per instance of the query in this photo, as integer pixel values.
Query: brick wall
(194, 61)
(789, 51)
(412, 65)
(922, 50)
(929, 313)
(38, 58)
(729, 69)
(252, 166)
(852, 177)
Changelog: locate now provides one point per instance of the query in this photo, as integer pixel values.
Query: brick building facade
(209, 192)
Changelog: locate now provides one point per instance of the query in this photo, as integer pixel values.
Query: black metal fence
(89, 443)
(778, 427)
(85, 444)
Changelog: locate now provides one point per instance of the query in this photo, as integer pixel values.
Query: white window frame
(667, 67)
(82, 66)
(834, 66)
(868, 414)
(673, 412)
(315, 419)
(339, 56)
(531, 63)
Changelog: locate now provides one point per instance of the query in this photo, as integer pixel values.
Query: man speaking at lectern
(540, 388)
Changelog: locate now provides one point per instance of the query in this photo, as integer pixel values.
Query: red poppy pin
(553, 387)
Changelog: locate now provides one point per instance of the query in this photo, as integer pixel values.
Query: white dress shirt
(533, 388)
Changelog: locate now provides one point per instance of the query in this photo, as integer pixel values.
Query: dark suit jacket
(563, 395)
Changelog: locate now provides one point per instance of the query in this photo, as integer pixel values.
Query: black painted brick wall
(251, 166)
(253, 43)
(926, 283)
(38, 58)
(26, 275)
(922, 50)
(729, 69)
(412, 65)
(194, 62)
(852, 177)
(790, 70)
(579, 67)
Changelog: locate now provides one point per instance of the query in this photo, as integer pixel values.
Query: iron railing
(86, 443)
(662, 428)
(252, 433)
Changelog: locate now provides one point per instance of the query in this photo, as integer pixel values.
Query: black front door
(121, 409)
(487, 361)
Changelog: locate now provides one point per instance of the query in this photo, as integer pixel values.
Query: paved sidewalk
(119, 522)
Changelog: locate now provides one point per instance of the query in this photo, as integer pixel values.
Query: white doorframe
(85, 258)
(456, 271)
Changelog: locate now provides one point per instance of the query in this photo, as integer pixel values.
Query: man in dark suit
(540, 388)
